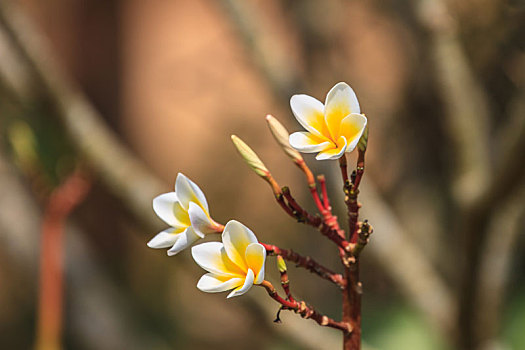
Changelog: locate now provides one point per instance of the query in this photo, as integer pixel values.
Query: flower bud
(282, 136)
(24, 144)
(363, 141)
(281, 265)
(250, 157)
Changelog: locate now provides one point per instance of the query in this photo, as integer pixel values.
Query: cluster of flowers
(238, 262)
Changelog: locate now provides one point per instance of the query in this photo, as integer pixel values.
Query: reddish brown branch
(358, 238)
(307, 263)
(61, 202)
(328, 226)
(335, 236)
(344, 168)
(305, 311)
(352, 307)
(280, 199)
(324, 192)
(311, 185)
(301, 214)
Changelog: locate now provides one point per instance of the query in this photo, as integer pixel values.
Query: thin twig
(307, 263)
(324, 192)
(302, 214)
(328, 225)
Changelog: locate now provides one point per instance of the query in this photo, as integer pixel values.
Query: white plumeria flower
(186, 211)
(333, 128)
(237, 263)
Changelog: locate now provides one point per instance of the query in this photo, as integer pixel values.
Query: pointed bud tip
(250, 157)
(282, 136)
(281, 265)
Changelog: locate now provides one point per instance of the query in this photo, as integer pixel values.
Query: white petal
(255, 258)
(212, 257)
(168, 208)
(352, 128)
(309, 112)
(164, 239)
(212, 283)
(343, 94)
(260, 276)
(187, 238)
(187, 191)
(248, 283)
(200, 221)
(340, 102)
(307, 142)
(236, 237)
(333, 153)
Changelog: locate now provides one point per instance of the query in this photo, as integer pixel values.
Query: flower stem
(305, 311)
(343, 164)
(328, 225)
(324, 192)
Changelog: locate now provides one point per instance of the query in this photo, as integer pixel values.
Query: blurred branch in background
(272, 60)
(495, 270)
(467, 117)
(481, 183)
(411, 270)
(61, 202)
(323, 60)
(91, 295)
(125, 176)
(505, 225)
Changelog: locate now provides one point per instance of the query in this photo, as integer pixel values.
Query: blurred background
(114, 98)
